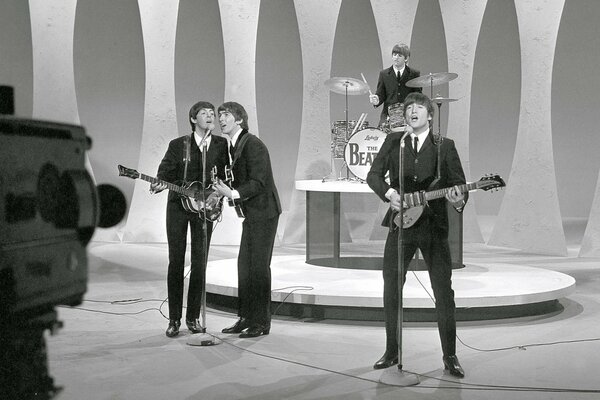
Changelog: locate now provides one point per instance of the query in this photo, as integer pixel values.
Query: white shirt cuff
(389, 193)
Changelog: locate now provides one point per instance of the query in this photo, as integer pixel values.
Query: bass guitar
(190, 193)
(416, 202)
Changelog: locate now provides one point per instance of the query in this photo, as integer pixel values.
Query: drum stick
(366, 83)
(359, 123)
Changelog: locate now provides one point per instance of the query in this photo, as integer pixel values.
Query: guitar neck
(439, 193)
(171, 186)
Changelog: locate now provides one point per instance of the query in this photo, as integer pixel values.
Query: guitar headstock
(490, 182)
(128, 172)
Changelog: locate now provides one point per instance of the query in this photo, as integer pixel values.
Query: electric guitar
(190, 193)
(416, 202)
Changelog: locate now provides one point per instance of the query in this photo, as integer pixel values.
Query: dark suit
(259, 200)
(171, 169)
(390, 91)
(429, 234)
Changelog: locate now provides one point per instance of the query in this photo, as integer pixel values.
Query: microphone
(203, 141)
(407, 132)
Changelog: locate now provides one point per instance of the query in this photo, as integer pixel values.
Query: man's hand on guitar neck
(456, 198)
(157, 187)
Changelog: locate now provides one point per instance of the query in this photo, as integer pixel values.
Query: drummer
(391, 86)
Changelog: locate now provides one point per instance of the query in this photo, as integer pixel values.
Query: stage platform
(483, 291)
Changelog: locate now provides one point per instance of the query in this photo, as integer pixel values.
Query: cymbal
(432, 79)
(340, 84)
(440, 99)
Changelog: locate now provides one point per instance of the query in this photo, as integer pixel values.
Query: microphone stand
(204, 339)
(400, 379)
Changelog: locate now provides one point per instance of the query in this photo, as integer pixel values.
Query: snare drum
(340, 135)
(361, 149)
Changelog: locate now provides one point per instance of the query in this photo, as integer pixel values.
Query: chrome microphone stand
(400, 379)
(204, 339)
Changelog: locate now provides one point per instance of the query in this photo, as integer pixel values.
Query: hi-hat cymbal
(432, 79)
(340, 84)
(440, 99)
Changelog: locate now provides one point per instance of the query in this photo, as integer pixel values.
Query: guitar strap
(186, 156)
(238, 149)
(236, 155)
(437, 140)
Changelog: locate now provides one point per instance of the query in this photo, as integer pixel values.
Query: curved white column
(239, 20)
(394, 20)
(316, 24)
(52, 27)
(590, 244)
(54, 95)
(146, 220)
(529, 217)
(462, 23)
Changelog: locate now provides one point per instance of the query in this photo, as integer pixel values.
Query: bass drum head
(361, 149)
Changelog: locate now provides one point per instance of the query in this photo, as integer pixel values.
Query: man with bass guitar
(184, 163)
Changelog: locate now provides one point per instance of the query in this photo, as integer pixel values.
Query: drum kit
(355, 142)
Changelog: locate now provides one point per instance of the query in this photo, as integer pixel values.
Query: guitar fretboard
(177, 189)
(439, 193)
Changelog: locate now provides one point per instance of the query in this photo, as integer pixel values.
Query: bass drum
(361, 149)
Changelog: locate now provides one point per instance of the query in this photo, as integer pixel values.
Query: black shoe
(256, 330)
(173, 329)
(386, 361)
(194, 326)
(238, 327)
(451, 364)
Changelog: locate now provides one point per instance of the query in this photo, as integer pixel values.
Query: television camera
(49, 209)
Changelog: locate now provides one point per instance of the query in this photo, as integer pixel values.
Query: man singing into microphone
(183, 163)
(428, 163)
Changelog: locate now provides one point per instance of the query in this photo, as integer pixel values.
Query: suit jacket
(390, 91)
(419, 171)
(253, 179)
(172, 166)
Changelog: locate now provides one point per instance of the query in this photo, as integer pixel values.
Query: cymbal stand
(346, 131)
(439, 104)
(430, 85)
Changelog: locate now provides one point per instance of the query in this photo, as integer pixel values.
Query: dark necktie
(416, 144)
(399, 76)
(231, 151)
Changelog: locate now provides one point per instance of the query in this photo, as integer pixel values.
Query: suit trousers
(254, 269)
(436, 253)
(177, 225)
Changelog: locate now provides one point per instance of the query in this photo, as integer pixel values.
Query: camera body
(49, 209)
(48, 213)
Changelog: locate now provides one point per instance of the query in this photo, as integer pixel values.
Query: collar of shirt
(398, 70)
(422, 137)
(235, 137)
(198, 139)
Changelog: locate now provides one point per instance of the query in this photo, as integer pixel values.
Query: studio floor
(113, 346)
